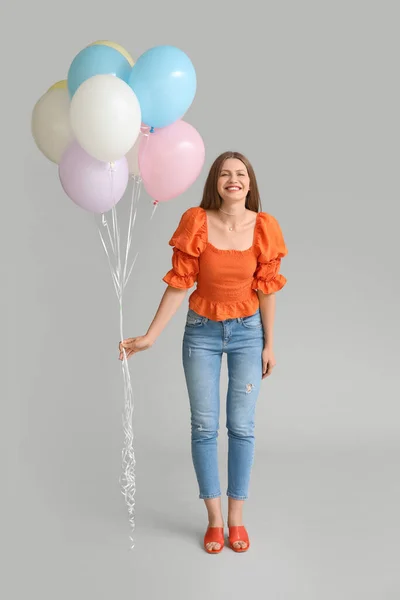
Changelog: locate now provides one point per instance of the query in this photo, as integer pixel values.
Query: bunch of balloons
(114, 115)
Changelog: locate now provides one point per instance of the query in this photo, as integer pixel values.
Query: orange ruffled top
(227, 280)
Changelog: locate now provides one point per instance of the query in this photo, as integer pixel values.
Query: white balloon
(105, 117)
(51, 128)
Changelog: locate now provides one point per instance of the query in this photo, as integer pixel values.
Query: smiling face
(233, 180)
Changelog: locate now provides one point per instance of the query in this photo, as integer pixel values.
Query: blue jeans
(204, 343)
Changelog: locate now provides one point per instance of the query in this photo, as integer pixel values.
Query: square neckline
(229, 250)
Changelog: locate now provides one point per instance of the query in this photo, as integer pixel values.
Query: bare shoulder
(251, 215)
(211, 215)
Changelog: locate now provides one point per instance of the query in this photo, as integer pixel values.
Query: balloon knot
(155, 202)
(151, 129)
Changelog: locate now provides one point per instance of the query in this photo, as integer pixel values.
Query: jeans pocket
(252, 322)
(194, 320)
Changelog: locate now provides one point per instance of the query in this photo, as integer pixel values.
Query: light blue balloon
(97, 60)
(164, 81)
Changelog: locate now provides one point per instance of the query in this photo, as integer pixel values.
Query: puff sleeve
(271, 249)
(188, 242)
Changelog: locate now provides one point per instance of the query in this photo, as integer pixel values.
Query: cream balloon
(51, 128)
(133, 158)
(105, 117)
(133, 155)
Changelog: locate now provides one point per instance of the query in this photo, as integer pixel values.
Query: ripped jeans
(204, 343)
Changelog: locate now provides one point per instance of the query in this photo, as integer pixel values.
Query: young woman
(233, 252)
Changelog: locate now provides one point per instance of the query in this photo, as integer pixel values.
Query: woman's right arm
(188, 242)
(170, 302)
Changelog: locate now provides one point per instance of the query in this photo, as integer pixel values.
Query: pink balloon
(93, 185)
(170, 160)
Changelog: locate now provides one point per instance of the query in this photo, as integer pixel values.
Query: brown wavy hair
(211, 198)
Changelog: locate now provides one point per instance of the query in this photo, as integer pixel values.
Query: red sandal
(238, 534)
(216, 535)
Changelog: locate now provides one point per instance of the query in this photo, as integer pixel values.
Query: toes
(213, 546)
(240, 545)
(216, 546)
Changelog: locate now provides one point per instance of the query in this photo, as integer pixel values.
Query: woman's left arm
(267, 310)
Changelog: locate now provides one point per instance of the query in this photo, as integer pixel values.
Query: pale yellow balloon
(51, 128)
(59, 85)
(117, 47)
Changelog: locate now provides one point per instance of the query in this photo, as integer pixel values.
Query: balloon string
(111, 242)
(155, 204)
(137, 185)
(104, 222)
(110, 236)
(132, 220)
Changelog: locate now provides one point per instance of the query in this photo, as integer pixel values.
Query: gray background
(309, 91)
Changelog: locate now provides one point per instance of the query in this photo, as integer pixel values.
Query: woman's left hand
(268, 362)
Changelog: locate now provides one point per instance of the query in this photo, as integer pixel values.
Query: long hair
(211, 198)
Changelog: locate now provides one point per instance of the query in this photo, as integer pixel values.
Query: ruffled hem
(181, 282)
(271, 286)
(219, 311)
